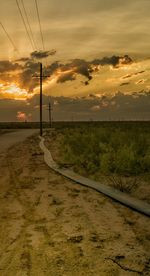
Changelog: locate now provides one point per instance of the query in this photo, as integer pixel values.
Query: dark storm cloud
(42, 54)
(85, 68)
(139, 101)
(28, 81)
(127, 76)
(68, 70)
(37, 55)
(133, 74)
(138, 73)
(115, 61)
(24, 59)
(33, 66)
(64, 72)
(124, 83)
(53, 67)
(134, 106)
(8, 69)
(66, 77)
(82, 67)
(27, 76)
(140, 81)
(86, 82)
(26, 73)
(7, 66)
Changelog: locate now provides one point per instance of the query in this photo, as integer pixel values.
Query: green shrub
(145, 163)
(106, 162)
(123, 149)
(125, 161)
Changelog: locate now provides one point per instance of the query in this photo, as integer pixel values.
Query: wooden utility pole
(41, 77)
(41, 103)
(50, 113)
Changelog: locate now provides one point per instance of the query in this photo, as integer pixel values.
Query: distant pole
(41, 84)
(50, 113)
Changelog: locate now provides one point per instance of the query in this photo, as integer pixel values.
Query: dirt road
(11, 138)
(54, 227)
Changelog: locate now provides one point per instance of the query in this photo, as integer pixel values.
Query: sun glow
(13, 91)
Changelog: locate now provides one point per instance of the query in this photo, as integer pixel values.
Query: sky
(89, 48)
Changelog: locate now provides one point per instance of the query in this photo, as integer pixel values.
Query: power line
(24, 23)
(38, 15)
(29, 26)
(9, 37)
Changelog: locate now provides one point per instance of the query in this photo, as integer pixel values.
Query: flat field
(115, 153)
(50, 225)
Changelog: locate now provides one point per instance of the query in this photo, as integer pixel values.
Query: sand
(52, 226)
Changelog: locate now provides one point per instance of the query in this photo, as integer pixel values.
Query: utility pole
(41, 77)
(41, 102)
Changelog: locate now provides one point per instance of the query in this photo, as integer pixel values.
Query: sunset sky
(91, 47)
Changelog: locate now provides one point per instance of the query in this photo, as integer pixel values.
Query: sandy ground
(9, 138)
(52, 226)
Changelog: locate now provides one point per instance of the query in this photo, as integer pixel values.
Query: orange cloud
(13, 91)
(141, 81)
(22, 116)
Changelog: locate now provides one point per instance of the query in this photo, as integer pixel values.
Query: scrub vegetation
(117, 151)
(123, 151)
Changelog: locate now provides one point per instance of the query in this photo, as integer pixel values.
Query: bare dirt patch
(52, 226)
